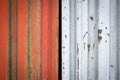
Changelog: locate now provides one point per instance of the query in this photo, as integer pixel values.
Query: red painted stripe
(22, 39)
(44, 39)
(54, 39)
(3, 38)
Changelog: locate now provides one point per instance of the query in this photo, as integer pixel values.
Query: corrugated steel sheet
(90, 40)
(28, 40)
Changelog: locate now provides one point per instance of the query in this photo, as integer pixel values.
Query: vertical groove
(16, 39)
(10, 41)
(118, 11)
(27, 53)
(41, 10)
(97, 12)
(117, 35)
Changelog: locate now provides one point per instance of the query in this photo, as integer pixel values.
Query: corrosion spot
(112, 66)
(91, 57)
(77, 18)
(105, 27)
(108, 34)
(93, 46)
(85, 35)
(64, 6)
(91, 18)
(84, 45)
(63, 46)
(65, 36)
(101, 22)
(99, 36)
(63, 67)
(77, 49)
(88, 47)
(106, 41)
(94, 27)
(99, 31)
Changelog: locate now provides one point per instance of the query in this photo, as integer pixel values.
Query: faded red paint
(44, 39)
(3, 38)
(49, 39)
(22, 6)
(34, 27)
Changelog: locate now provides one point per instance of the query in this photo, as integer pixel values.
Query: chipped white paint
(90, 40)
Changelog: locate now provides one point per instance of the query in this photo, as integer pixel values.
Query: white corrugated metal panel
(90, 40)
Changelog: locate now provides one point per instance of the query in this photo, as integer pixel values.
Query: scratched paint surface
(90, 40)
(29, 39)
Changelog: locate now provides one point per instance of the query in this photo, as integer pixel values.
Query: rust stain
(91, 18)
(99, 36)
(99, 31)
(88, 47)
(85, 35)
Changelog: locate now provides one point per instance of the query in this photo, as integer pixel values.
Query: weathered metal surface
(90, 40)
(29, 40)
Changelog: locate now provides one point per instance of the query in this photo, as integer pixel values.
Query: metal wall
(90, 40)
(28, 39)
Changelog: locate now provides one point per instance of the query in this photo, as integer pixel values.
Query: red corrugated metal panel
(29, 40)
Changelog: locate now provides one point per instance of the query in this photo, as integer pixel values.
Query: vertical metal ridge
(49, 42)
(92, 41)
(113, 66)
(72, 39)
(65, 40)
(84, 39)
(10, 42)
(118, 11)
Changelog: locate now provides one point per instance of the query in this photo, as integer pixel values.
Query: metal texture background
(90, 40)
(28, 39)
